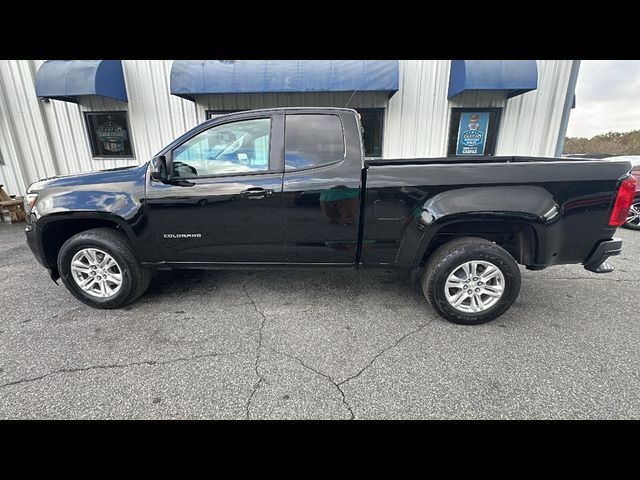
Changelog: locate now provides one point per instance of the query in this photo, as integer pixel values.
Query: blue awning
(67, 79)
(192, 77)
(513, 76)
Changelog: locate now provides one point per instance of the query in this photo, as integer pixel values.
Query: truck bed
(557, 208)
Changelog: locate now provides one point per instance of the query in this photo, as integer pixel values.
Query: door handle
(256, 193)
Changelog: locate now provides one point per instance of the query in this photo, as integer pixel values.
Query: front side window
(109, 134)
(231, 148)
(312, 141)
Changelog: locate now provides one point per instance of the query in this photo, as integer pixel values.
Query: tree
(613, 143)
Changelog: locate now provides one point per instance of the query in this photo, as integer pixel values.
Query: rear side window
(312, 141)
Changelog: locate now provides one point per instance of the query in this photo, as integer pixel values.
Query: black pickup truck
(291, 187)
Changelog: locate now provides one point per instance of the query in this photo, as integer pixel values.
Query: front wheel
(633, 219)
(100, 269)
(471, 280)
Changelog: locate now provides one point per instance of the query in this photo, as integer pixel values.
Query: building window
(473, 131)
(218, 113)
(109, 134)
(372, 121)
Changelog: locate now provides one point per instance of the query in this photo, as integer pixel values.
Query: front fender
(47, 221)
(531, 205)
(111, 196)
(120, 203)
(98, 199)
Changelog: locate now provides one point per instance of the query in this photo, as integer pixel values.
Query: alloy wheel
(474, 286)
(634, 215)
(96, 273)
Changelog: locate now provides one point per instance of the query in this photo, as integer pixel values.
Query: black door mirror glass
(159, 168)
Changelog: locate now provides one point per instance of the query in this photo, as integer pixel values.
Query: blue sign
(472, 133)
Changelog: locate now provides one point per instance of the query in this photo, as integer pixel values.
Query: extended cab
(291, 187)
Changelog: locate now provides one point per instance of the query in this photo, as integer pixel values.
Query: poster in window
(472, 133)
(112, 137)
(109, 134)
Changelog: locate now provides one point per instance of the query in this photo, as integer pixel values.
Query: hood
(110, 176)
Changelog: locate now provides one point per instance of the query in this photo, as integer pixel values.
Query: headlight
(29, 202)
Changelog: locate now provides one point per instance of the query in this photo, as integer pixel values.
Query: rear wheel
(100, 269)
(633, 219)
(471, 280)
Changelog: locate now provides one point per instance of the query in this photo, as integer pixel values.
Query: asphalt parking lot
(317, 344)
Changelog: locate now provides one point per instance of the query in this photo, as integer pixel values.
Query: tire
(449, 258)
(134, 278)
(635, 222)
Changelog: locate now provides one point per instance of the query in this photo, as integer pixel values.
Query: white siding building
(52, 120)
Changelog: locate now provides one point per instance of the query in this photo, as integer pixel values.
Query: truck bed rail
(483, 159)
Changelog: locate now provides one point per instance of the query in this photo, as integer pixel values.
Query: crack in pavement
(566, 269)
(386, 349)
(261, 378)
(324, 375)
(115, 365)
(584, 278)
(338, 385)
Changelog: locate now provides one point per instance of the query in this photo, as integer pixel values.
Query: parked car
(633, 219)
(305, 196)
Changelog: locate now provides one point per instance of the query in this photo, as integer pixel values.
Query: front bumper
(34, 240)
(596, 262)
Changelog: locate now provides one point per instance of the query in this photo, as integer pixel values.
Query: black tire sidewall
(466, 253)
(73, 246)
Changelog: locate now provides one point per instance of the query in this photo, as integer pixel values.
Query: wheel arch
(519, 235)
(57, 229)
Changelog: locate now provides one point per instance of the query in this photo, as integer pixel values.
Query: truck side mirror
(159, 168)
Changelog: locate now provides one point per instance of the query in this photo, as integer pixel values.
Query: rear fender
(526, 204)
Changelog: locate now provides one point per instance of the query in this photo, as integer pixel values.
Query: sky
(607, 98)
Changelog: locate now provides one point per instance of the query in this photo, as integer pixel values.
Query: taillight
(624, 198)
